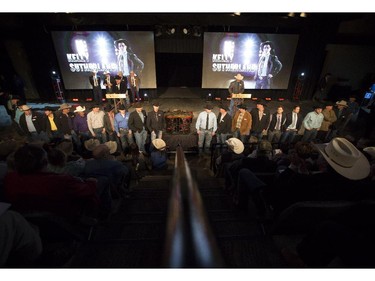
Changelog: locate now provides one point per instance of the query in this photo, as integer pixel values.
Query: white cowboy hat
(80, 109)
(159, 144)
(238, 76)
(345, 158)
(342, 102)
(370, 150)
(236, 145)
(91, 144)
(112, 145)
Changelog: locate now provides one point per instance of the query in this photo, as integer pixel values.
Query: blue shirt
(80, 123)
(313, 120)
(121, 121)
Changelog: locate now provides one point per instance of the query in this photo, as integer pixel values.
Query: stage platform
(186, 99)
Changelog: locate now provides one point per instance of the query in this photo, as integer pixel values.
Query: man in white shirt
(95, 122)
(206, 126)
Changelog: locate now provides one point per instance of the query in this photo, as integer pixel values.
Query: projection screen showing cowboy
(265, 60)
(80, 53)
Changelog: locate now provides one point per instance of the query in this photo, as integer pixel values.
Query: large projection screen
(81, 52)
(226, 54)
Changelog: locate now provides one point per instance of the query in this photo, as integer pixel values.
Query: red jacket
(61, 194)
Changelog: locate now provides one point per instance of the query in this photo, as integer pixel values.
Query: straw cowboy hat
(64, 106)
(91, 144)
(345, 158)
(112, 145)
(238, 76)
(342, 102)
(159, 144)
(236, 145)
(25, 107)
(80, 109)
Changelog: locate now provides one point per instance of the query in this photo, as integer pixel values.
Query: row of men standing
(280, 127)
(123, 127)
(118, 84)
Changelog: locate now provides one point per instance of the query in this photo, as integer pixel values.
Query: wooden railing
(189, 239)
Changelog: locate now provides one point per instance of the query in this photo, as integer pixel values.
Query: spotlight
(185, 30)
(303, 15)
(74, 99)
(171, 31)
(89, 99)
(268, 99)
(280, 99)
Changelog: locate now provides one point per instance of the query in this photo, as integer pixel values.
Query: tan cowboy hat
(370, 150)
(91, 144)
(238, 76)
(25, 107)
(236, 145)
(80, 109)
(345, 158)
(112, 145)
(342, 102)
(64, 106)
(159, 144)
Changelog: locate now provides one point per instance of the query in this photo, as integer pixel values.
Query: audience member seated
(139, 164)
(259, 163)
(158, 155)
(20, 243)
(233, 153)
(6, 148)
(32, 188)
(113, 176)
(343, 175)
(57, 163)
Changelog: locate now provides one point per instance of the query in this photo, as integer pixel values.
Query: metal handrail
(189, 239)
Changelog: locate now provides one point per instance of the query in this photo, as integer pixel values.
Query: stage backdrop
(81, 52)
(226, 54)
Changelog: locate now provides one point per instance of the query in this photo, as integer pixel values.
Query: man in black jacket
(156, 121)
(224, 124)
(292, 125)
(33, 124)
(137, 124)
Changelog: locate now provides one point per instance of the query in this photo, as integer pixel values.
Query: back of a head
(304, 150)
(57, 157)
(29, 159)
(101, 152)
(264, 148)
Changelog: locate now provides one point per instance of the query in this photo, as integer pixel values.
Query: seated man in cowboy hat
(341, 173)
(236, 87)
(158, 155)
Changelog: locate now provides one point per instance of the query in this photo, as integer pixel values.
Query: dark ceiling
(269, 22)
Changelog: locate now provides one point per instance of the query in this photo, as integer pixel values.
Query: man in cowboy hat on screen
(236, 87)
(268, 67)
